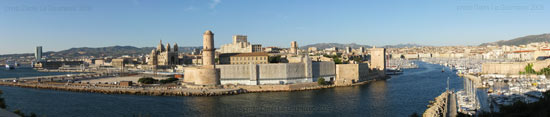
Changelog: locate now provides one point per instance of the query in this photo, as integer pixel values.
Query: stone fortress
(206, 75)
(252, 67)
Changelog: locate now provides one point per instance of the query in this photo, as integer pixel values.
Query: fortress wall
(364, 73)
(512, 68)
(351, 73)
(346, 74)
(202, 76)
(324, 70)
(503, 68)
(282, 73)
(234, 71)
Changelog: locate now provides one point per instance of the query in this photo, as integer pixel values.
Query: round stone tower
(294, 47)
(208, 48)
(207, 75)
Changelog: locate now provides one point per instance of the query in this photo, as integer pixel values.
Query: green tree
(18, 112)
(529, 69)
(168, 80)
(321, 81)
(147, 80)
(274, 59)
(358, 59)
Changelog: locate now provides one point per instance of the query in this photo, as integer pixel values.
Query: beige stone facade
(378, 59)
(294, 47)
(164, 55)
(244, 58)
(207, 74)
(351, 73)
(512, 68)
(240, 45)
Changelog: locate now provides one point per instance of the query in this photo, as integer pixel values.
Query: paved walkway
(452, 105)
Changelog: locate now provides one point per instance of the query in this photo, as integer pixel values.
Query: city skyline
(59, 25)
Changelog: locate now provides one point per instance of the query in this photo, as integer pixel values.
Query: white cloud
(215, 3)
(190, 8)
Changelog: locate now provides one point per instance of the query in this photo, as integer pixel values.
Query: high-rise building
(38, 53)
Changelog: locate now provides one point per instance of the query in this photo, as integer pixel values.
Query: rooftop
(244, 54)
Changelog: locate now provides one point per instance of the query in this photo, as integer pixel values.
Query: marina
(488, 92)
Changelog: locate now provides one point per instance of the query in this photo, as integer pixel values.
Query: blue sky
(63, 24)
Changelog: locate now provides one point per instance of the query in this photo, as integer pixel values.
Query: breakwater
(438, 108)
(170, 91)
(153, 91)
(293, 87)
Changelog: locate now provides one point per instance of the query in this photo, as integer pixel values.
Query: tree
(321, 81)
(18, 112)
(529, 69)
(147, 80)
(357, 59)
(337, 60)
(274, 59)
(168, 80)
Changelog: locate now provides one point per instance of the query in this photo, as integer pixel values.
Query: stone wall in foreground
(439, 107)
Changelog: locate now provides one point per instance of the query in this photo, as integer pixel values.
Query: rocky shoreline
(152, 91)
(172, 90)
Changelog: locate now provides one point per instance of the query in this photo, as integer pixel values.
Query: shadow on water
(400, 96)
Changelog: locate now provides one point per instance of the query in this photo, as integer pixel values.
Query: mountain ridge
(521, 40)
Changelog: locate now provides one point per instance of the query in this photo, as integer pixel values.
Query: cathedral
(164, 55)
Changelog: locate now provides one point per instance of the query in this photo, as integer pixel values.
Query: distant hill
(522, 40)
(355, 46)
(408, 45)
(338, 45)
(114, 51)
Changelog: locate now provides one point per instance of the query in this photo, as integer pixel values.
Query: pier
(439, 107)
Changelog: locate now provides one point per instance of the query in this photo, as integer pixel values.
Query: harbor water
(26, 72)
(400, 96)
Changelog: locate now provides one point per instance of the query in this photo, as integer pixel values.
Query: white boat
(393, 70)
(10, 65)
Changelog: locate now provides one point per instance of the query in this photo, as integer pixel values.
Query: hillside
(407, 45)
(522, 40)
(100, 51)
(338, 45)
(354, 45)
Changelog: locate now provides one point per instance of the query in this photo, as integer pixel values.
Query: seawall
(153, 91)
(438, 108)
(174, 90)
